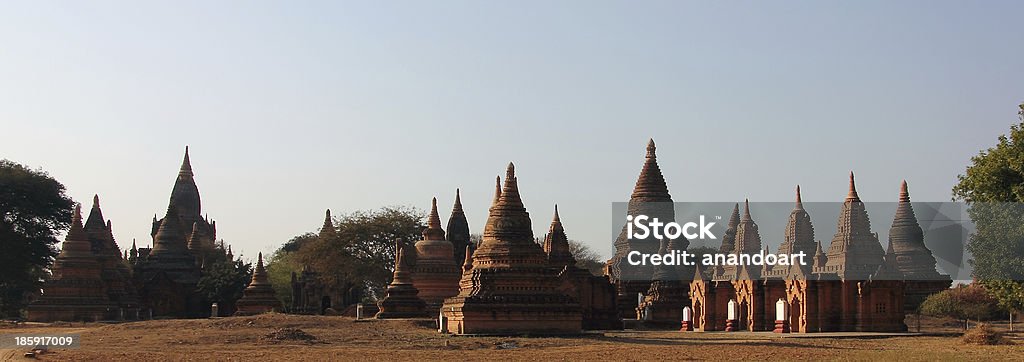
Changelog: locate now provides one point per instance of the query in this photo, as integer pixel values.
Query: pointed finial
(259, 261)
(746, 210)
(852, 195)
(186, 165)
(497, 190)
(735, 218)
(651, 149)
(556, 219)
(458, 202)
(328, 214)
(96, 201)
(433, 230)
(799, 199)
(133, 244)
(510, 190)
(76, 218)
(904, 194)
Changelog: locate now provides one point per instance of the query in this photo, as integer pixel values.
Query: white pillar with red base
(781, 316)
(731, 324)
(687, 320)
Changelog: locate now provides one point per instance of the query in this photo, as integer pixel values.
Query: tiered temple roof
(729, 239)
(595, 294)
(855, 252)
(799, 231)
(458, 230)
(650, 197)
(117, 278)
(906, 239)
(401, 300)
(511, 287)
(258, 297)
(556, 244)
(75, 289)
(188, 206)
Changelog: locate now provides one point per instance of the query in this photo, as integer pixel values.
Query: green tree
(34, 209)
(223, 281)
(361, 254)
(283, 262)
(993, 186)
(963, 303)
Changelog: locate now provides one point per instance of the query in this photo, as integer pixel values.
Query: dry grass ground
(289, 337)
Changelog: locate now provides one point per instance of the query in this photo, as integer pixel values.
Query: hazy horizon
(290, 109)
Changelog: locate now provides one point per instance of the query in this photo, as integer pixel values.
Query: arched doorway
(325, 303)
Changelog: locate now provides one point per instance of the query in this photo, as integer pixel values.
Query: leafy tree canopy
(34, 208)
(993, 186)
(359, 254)
(224, 280)
(962, 302)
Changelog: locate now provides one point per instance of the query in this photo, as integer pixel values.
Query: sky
(290, 108)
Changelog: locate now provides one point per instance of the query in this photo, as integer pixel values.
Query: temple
(856, 286)
(913, 258)
(114, 269)
(75, 289)
(650, 197)
(596, 294)
(167, 275)
(258, 297)
(402, 300)
(435, 274)
(511, 287)
(458, 230)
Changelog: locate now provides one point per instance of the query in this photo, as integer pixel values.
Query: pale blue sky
(294, 107)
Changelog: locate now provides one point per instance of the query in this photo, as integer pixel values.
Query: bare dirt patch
(290, 337)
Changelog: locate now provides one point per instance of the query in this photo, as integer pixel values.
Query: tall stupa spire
(327, 229)
(76, 244)
(906, 238)
(852, 195)
(556, 244)
(729, 240)
(854, 250)
(185, 194)
(497, 190)
(186, 165)
(457, 230)
(650, 186)
(458, 202)
(799, 199)
(433, 230)
(799, 234)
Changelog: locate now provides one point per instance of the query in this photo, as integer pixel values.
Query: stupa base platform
(510, 320)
